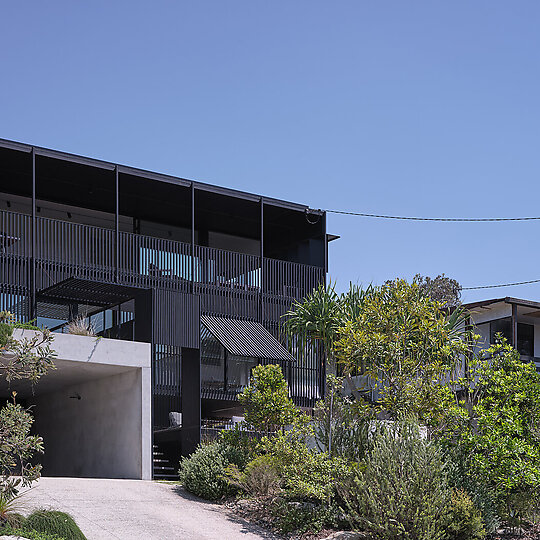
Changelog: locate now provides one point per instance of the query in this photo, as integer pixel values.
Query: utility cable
(411, 218)
(500, 285)
(467, 220)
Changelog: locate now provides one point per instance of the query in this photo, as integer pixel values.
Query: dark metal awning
(246, 338)
(88, 292)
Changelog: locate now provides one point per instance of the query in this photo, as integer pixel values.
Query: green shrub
(403, 491)
(342, 424)
(30, 534)
(203, 473)
(306, 473)
(260, 477)
(304, 518)
(266, 399)
(462, 478)
(244, 442)
(54, 522)
(464, 520)
(6, 331)
(10, 509)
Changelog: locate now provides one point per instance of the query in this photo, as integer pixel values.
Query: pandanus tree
(318, 318)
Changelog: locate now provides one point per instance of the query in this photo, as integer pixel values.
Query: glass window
(501, 326)
(525, 339)
(212, 360)
(239, 371)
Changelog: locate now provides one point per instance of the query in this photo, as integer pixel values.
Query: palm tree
(319, 317)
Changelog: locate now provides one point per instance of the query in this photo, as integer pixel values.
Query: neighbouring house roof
(246, 338)
(506, 300)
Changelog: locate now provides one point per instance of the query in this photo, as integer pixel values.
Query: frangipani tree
(405, 342)
(28, 358)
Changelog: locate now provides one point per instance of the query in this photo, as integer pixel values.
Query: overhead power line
(501, 285)
(440, 219)
(411, 218)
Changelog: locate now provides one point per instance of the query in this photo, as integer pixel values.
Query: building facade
(202, 273)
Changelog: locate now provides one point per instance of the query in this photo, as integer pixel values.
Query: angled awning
(89, 292)
(246, 338)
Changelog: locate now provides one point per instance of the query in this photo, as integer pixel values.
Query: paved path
(138, 510)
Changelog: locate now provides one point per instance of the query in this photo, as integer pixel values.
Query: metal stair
(163, 468)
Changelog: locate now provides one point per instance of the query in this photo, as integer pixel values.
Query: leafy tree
(493, 426)
(28, 358)
(442, 289)
(406, 345)
(266, 399)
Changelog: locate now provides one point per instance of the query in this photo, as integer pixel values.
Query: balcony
(226, 281)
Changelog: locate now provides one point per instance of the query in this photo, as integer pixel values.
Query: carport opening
(89, 417)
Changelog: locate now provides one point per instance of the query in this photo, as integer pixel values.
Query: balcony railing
(227, 281)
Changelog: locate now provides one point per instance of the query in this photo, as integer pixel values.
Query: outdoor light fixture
(75, 396)
(310, 214)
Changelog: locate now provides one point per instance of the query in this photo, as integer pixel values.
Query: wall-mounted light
(69, 215)
(8, 204)
(38, 209)
(75, 396)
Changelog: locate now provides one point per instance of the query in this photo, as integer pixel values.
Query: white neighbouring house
(94, 410)
(518, 320)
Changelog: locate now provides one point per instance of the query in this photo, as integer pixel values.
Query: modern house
(517, 320)
(201, 273)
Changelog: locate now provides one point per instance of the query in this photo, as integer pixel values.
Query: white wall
(494, 311)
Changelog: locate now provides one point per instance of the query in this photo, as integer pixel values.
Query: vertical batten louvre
(238, 285)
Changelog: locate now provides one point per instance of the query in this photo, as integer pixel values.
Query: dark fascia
(201, 186)
(505, 300)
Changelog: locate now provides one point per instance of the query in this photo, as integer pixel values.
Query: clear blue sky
(416, 108)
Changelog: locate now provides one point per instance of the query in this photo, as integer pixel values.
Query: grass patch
(55, 523)
(31, 535)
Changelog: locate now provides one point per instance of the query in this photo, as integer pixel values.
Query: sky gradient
(409, 108)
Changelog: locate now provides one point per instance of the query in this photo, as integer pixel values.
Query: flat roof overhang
(79, 359)
(133, 171)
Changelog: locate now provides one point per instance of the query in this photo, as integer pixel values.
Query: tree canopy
(28, 358)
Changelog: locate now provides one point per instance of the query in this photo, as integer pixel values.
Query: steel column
(325, 246)
(116, 225)
(33, 306)
(261, 284)
(514, 326)
(192, 237)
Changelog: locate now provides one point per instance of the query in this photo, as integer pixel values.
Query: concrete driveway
(138, 509)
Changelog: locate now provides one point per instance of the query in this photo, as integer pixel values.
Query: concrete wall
(100, 434)
(108, 431)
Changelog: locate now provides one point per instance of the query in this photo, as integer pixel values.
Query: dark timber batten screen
(157, 234)
(211, 281)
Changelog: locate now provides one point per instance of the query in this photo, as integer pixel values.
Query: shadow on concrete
(247, 527)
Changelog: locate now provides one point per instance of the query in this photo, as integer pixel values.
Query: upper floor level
(49, 184)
